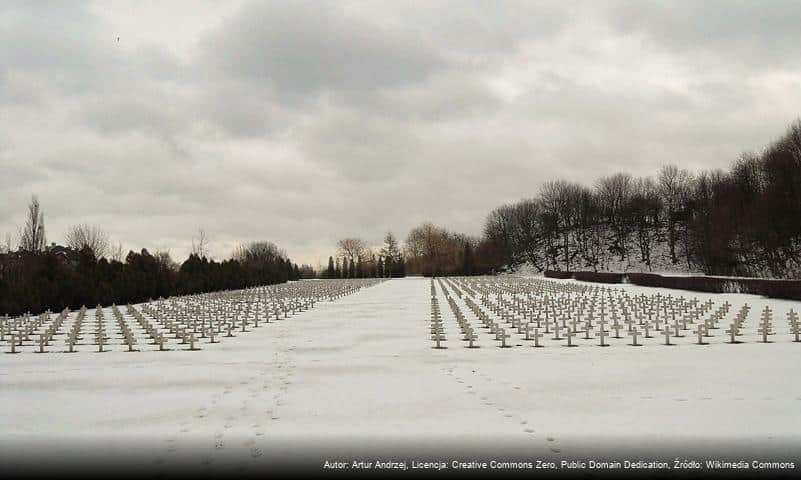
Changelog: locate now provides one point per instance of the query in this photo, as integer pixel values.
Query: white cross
(602, 332)
(537, 335)
(700, 332)
(617, 328)
(438, 338)
(192, 341)
(676, 325)
(504, 336)
(529, 328)
(587, 328)
(764, 329)
(570, 335)
(556, 329)
(634, 334)
(471, 337)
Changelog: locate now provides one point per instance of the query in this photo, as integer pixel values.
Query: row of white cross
(536, 308)
(182, 321)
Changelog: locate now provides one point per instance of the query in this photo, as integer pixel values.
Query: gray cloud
(303, 122)
(742, 33)
(307, 46)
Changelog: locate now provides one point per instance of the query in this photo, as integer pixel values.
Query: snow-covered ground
(360, 373)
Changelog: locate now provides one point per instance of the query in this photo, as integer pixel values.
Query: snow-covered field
(359, 374)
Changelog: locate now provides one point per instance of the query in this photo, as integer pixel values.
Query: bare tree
(257, 253)
(117, 253)
(498, 228)
(643, 214)
(560, 199)
(614, 193)
(588, 228)
(526, 233)
(7, 246)
(32, 238)
(674, 187)
(200, 248)
(164, 259)
(429, 249)
(91, 237)
(353, 249)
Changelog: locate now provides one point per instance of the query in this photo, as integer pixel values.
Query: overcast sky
(306, 121)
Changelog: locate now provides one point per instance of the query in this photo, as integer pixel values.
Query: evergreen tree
(330, 272)
(467, 260)
(391, 253)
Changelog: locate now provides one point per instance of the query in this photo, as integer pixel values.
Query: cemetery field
(359, 372)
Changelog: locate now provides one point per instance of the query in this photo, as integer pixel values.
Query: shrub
(787, 289)
(557, 274)
(599, 277)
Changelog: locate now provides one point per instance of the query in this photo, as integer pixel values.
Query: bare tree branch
(32, 237)
(91, 237)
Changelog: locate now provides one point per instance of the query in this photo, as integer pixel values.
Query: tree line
(428, 250)
(743, 222)
(355, 259)
(37, 277)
